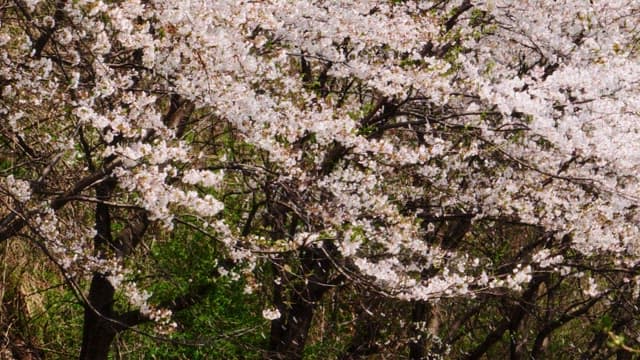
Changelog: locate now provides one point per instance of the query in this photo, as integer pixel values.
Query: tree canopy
(435, 155)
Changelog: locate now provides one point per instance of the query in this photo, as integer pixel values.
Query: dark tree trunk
(426, 323)
(292, 339)
(289, 332)
(364, 342)
(417, 347)
(98, 331)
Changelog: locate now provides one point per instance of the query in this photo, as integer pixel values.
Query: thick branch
(466, 5)
(12, 223)
(555, 324)
(511, 321)
(46, 36)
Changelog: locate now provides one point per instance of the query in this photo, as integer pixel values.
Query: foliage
(212, 166)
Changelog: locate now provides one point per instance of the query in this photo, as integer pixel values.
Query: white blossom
(271, 314)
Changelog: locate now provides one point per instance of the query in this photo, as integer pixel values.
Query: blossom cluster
(368, 122)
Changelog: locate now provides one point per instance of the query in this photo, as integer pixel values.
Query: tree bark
(367, 330)
(289, 333)
(417, 346)
(512, 321)
(98, 331)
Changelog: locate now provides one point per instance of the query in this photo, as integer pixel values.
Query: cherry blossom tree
(324, 144)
